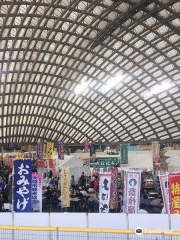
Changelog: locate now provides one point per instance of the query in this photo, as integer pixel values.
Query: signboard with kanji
(174, 193)
(104, 162)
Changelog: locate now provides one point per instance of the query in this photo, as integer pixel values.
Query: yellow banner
(65, 187)
(19, 155)
(50, 147)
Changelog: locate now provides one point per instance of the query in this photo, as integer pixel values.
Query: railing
(55, 233)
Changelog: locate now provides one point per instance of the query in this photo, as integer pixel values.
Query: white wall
(93, 220)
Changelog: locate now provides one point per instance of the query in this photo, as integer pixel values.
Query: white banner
(133, 187)
(165, 191)
(104, 192)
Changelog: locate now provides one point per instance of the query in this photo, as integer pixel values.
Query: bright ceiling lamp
(159, 89)
(81, 87)
(112, 82)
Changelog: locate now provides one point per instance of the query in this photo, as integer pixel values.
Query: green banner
(104, 162)
(100, 144)
(124, 154)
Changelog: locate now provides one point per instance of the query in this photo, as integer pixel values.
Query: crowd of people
(5, 185)
(83, 193)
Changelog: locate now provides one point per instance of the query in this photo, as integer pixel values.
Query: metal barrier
(53, 233)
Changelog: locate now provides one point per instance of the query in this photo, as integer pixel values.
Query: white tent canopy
(174, 162)
(139, 159)
(76, 167)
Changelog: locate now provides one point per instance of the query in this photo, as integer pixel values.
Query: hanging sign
(132, 192)
(104, 162)
(11, 146)
(155, 151)
(65, 187)
(86, 145)
(41, 163)
(104, 192)
(92, 150)
(39, 150)
(60, 147)
(10, 162)
(174, 193)
(165, 191)
(114, 188)
(53, 167)
(100, 144)
(19, 155)
(36, 192)
(124, 154)
(22, 185)
(50, 147)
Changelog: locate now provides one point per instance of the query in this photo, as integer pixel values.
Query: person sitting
(48, 193)
(146, 201)
(84, 193)
(156, 205)
(79, 194)
(142, 209)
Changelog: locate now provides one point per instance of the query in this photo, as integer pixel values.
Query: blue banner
(22, 185)
(60, 149)
(11, 146)
(92, 149)
(39, 150)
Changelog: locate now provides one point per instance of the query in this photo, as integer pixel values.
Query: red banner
(114, 188)
(10, 162)
(52, 165)
(155, 151)
(41, 163)
(86, 145)
(174, 193)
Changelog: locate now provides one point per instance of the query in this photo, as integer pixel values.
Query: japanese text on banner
(104, 192)
(50, 148)
(155, 151)
(60, 146)
(65, 187)
(114, 188)
(133, 186)
(36, 198)
(39, 149)
(22, 185)
(174, 191)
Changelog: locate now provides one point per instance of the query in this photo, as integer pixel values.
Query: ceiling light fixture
(112, 82)
(81, 87)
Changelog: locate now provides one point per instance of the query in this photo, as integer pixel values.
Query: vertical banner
(65, 187)
(11, 146)
(41, 163)
(22, 185)
(10, 162)
(50, 147)
(104, 192)
(39, 150)
(53, 167)
(36, 193)
(114, 188)
(100, 144)
(133, 187)
(44, 150)
(60, 148)
(174, 193)
(165, 191)
(86, 145)
(155, 151)
(124, 154)
(92, 150)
